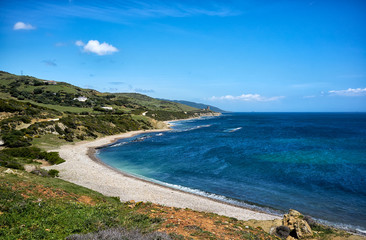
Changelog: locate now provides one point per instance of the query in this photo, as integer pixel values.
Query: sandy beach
(82, 168)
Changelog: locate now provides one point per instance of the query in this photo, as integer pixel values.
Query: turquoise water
(312, 162)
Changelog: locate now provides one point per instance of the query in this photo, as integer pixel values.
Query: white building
(81, 99)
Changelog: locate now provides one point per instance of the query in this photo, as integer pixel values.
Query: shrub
(15, 138)
(41, 172)
(53, 173)
(59, 130)
(283, 232)
(310, 221)
(80, 137)
(32, 153)
(37, 83)
(11, 164)
(25, 152)
(54, 158)
(38, 91)
(69, 137)
(5, 157)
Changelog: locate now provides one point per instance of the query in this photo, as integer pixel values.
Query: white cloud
(100, 49)
(23, 26)
(350, 92)
(248, 97)
(79, 43)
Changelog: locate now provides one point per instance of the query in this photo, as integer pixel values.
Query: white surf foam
(233, 129)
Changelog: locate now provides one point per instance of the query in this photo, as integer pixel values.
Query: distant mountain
(199, 105)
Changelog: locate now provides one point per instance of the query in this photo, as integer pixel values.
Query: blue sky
(237, 55)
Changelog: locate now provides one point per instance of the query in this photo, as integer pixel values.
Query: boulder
(282, 232)
(302, 229)
(294, 220)
(290, 218)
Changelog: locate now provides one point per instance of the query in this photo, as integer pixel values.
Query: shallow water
(311, 162)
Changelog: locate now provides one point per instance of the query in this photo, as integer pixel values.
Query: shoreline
(91, 154)
(83, 168)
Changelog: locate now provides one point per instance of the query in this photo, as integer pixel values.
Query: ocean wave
(193, 128)
(363, 232)
(217, 197)
(118, 144)
(345, 227)
(233, 129)
(142, 138)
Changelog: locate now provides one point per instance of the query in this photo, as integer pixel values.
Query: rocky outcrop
(207, 114)
(294, 220)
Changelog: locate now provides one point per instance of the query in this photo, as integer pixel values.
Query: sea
(312, 162)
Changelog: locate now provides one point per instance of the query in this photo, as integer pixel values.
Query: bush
(33, 153)
(80, 137)
(11, 164)
(37, 83)
(15, 138)
(53, 173)
(69, 137)
(40, 172)
(59, 130)
(38, 91)
(310, 221)
(25, 152)
(283, 232)
(53, 158)
(5, 157)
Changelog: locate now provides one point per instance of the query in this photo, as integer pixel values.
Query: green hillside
(154, 104)
(57, 95)
(199, 105)
(41, 112)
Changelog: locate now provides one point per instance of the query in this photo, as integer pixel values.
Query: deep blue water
(312, 162)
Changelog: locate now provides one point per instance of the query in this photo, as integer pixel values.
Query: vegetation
(36, 115)
(32, 108)
(33, 207)
(17, 157)
(51, 93)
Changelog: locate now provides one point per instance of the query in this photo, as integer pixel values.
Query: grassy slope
(154, 104)
(199, 105)
(61, 108)
(85, 119)
(138, 100)
(34, 207)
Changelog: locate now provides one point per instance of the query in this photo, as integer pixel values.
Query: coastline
(83, 168)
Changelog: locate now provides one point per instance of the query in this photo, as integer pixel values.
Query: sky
(264, 56)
